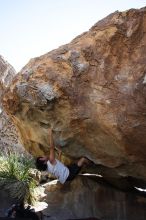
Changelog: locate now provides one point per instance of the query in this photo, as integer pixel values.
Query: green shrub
(15, 177)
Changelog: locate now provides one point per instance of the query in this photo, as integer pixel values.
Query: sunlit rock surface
(8, 134)
(84, 198)
(92, 93)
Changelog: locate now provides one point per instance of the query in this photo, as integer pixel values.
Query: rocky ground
(84, 198)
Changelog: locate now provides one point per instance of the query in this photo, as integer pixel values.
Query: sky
(30, 28)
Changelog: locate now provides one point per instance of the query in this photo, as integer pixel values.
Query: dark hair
(41, 164)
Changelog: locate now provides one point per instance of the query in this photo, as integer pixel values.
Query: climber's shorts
(74, 169)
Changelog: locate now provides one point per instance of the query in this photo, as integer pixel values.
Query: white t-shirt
(59, 170)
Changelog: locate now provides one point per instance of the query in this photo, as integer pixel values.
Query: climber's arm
(52, 148)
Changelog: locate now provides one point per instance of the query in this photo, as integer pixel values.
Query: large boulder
(92, 93)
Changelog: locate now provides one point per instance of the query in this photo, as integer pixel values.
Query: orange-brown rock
(92, 92)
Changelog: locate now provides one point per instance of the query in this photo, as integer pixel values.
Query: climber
(56, 167)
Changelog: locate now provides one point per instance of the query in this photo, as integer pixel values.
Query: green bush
(15, 177)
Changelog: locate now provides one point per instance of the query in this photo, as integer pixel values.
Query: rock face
(92, 92)
(7, 73)
(83, 198)
(8, 133)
